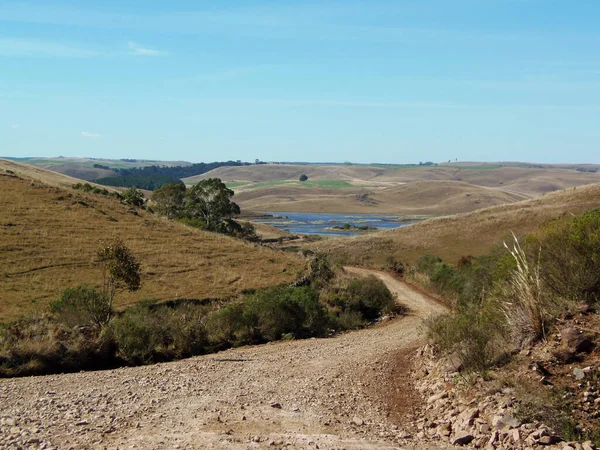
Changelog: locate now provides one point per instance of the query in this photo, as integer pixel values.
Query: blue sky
(363, 81)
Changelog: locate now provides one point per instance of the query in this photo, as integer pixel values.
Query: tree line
(153, 177)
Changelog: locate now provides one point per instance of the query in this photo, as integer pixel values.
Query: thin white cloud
(15, 126)
(87, 134)
(138, 50)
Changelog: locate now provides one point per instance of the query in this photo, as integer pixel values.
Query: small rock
(588, 445)
(462, 439)
(436, 397)
(276, 405)
(503, 423)
(578, 373)
(358, 421)
(575, 341)
(548, 440)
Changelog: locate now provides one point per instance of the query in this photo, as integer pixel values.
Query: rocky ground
(318, 393)
(379, 388)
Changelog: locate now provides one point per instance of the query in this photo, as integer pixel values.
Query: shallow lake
(321, 223)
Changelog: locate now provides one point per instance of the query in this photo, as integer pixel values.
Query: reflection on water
(322, 223)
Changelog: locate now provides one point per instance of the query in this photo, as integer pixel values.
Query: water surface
(321, 223)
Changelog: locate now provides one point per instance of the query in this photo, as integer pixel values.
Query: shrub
(320, 272)
(281, 310)
(569, 253)
(227, 326)
(140, 334)
(147, 332)
(82, 306)
(303, 177)
(474, 336)
(349, 320)
(186, 334)
(133, 197)
(193, 222)
(370, 297)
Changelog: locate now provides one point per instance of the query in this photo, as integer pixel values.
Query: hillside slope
(459, 235)
(420, 198)
(49, 235)
(38, 174)
(530, 181)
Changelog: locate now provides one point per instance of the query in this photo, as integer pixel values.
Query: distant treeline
(154, 177)
(178, 172)
(147, 182)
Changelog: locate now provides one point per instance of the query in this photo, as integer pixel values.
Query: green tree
(210, 201)
(168, 200)
(133, 197)
(120, 269)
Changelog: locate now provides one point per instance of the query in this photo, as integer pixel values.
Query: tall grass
(525, 306)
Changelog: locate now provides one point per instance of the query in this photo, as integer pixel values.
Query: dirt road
(317, 393)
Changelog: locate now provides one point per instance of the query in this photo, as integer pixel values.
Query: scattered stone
(358, 421)
(578, 373)
(548, 440)
(575, 341)
(503, 423)
(276, 405)
(462, 439)
(436, 397)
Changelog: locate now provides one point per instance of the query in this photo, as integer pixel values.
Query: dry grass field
(430, 198)
(422, 190)
(49, 235)
(459, 235)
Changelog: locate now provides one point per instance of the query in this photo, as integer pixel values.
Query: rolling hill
(49, 234)
(421, 198)
(452, 237)
(423, 190)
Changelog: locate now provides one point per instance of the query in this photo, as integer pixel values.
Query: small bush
(140, 334)
(82, 306)
(147, 332)
(227, 326)
(370, 297)
(349, 320)
(474, 335)
(569, 253)
(281, 310)
(353, 303)
(133, 197)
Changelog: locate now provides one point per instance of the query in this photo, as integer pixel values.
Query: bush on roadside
(82, 306)
(353, 303)
(569, 254)
(147, 332)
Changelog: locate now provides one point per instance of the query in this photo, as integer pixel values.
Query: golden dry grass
(430, 198)
(45, 176)
(523, 180)
(459, 235)
(426, 190)
(49, 235)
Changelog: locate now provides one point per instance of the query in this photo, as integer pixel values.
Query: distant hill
(49, 234)
(428, 198)
(92, 168)
(452, 237)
